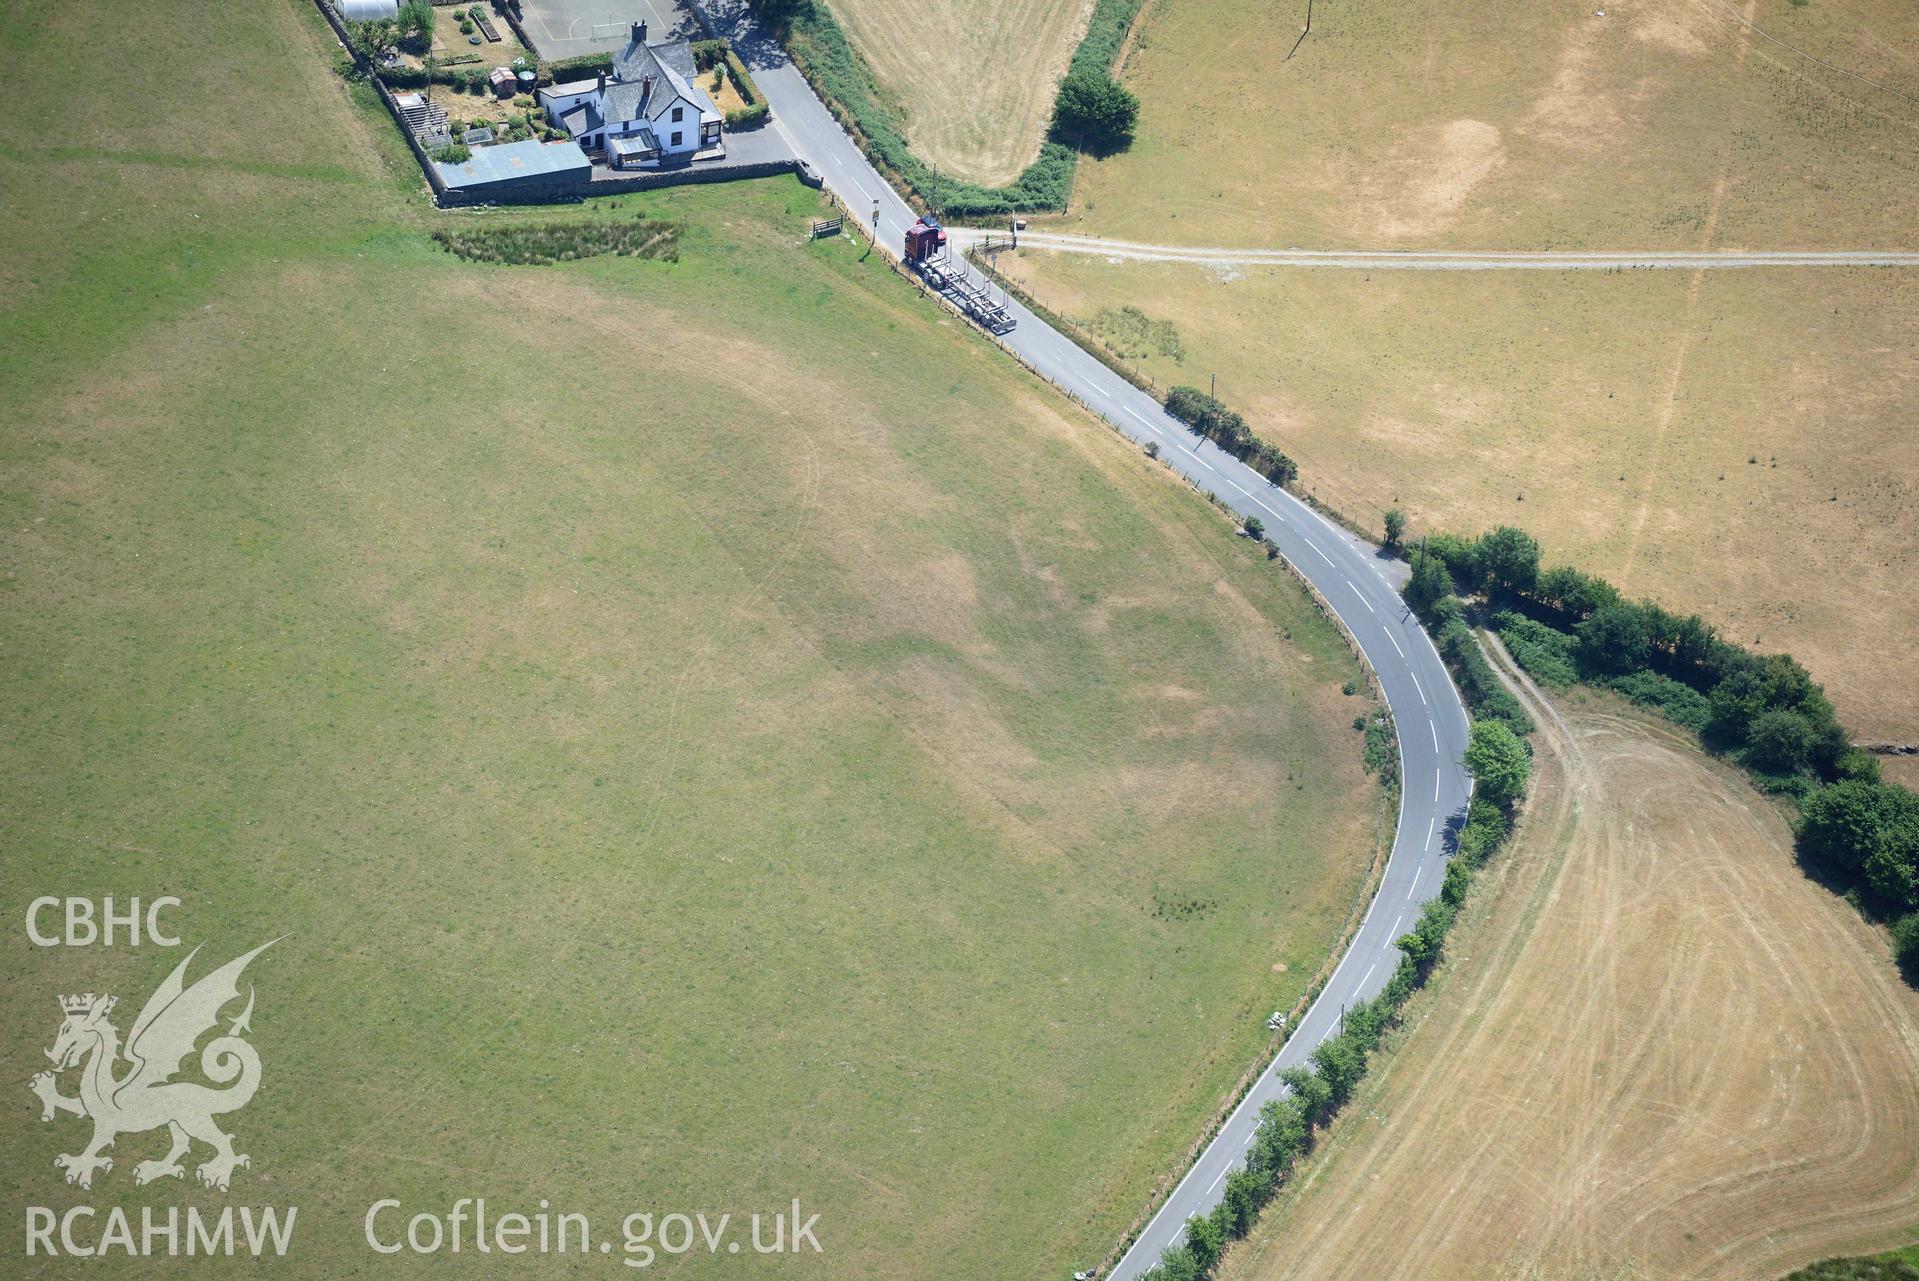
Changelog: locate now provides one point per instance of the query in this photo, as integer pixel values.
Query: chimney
(601, 86)
(638, 33)
(646, 91)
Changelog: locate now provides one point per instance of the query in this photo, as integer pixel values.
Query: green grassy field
(714, 732)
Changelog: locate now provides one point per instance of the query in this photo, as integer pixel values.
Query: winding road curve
(1349, 573)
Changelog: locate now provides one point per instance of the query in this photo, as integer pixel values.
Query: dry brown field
(1739, 443)
(974, 82)
(1613, 415)
(1646, 123)
(1657, 1050)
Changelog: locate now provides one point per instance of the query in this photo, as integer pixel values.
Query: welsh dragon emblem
(145, 1096)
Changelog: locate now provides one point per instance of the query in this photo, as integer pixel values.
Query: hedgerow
(460, 78)
(1290, 1125)
(541, 243)
(824, 55)
(585, 66)
(1546, 653)
(1905, 945)
(1381, 753)
(1227, 429)
(1762, 711)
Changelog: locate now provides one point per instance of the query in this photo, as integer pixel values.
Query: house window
(678, 114)
(676, 137)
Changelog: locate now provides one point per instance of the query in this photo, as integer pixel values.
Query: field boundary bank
(819, 48)
(368, 70)
(575, 192)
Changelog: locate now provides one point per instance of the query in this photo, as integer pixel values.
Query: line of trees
(1226, 428)
(1431, 594)
(1289, 1125)
(1762, 711)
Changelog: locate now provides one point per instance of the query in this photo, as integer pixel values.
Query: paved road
(1349, 573)
(1463, 259)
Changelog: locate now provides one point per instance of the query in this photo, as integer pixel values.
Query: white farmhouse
(647, 114)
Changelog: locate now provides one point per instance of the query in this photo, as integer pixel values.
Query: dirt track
(1660, 1052)
(1461, 259)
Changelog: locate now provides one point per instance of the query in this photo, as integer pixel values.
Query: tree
(1312, 1092)
(376, 39)
(1461, 556)
(1280, 1138)
(1779, 741)
(1612, 640)
(1431, 582)
(1692, 645)
(1278, 466)
(1752, 685)
(780, 14)
(1395, 526)
(1905, 945)
(1509, 559)
(1572, 592)
(1206, 1241)
(1856, 762)
(1245, 1193)
(1498, 762)
(1095, 111)
(1870, 830)
(1255, 529)
(1339, 1063)
(415, 24)
(1422, 943)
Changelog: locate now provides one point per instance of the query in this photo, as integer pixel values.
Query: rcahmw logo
(130, 1088)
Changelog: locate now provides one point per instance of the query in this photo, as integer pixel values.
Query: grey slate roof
(622, 101)
(582, 119)
(671, 66)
